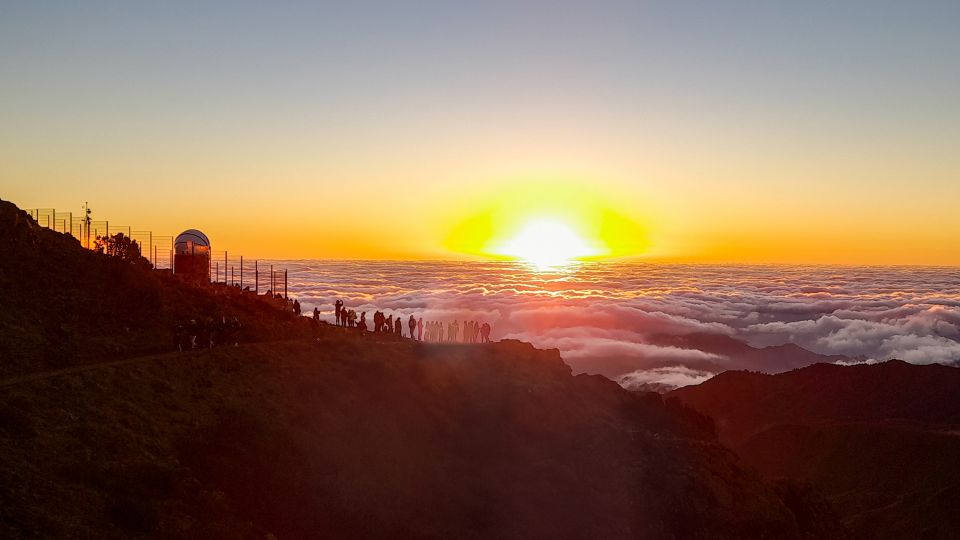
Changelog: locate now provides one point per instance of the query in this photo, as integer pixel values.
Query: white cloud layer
(668, 378)
(602, 316)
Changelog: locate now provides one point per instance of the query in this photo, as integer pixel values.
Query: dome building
(192, 255)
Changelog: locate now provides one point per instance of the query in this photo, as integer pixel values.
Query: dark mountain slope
(353, 438)
(744, 402)
(881, 440)
(62, 305)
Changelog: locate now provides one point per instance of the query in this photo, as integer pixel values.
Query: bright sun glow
(546, 244)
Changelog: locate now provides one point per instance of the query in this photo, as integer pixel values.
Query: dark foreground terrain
(309, 431)
(882, 441)
(62, 305)
(353, 438)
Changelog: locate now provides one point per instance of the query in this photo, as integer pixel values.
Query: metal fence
(239, 272)
(159, 250)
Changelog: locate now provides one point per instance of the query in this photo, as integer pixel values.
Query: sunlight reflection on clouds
(594, 312)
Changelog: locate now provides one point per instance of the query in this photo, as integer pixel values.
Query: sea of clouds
(606, 317)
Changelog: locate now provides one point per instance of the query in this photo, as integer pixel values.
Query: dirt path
(75, 369)
(41, 375)
(21, 379)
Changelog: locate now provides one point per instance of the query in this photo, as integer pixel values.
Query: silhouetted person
(412, 324)
(338, 307)
(193, 330)
(485, 332)
(362, 325)
(398, 326)
(388, 326)
(296, 308)
(179, 337)
(203, 338)
(420, 329)
(316, 314)
(216, 332)
(235, 331)
(206, 340)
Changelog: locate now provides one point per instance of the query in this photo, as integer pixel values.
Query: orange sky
(680, 219)
(654, 130)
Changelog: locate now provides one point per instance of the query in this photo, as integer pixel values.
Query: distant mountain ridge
(740, 355)
(729, 353)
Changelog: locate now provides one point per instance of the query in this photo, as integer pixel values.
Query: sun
(547, 243)
(546, 223)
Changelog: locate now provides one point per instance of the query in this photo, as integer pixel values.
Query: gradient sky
(753, 131)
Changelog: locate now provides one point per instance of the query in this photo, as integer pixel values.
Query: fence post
(273, 288)
(256, 276)
(241, 272)
(284, 283)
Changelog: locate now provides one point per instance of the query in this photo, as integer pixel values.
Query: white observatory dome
(191, 240)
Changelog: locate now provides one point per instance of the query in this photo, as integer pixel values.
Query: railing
(237, 272)
(159, 250)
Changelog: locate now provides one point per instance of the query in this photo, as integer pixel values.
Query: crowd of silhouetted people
(215, 332)
(416, 328)
(206, 334)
